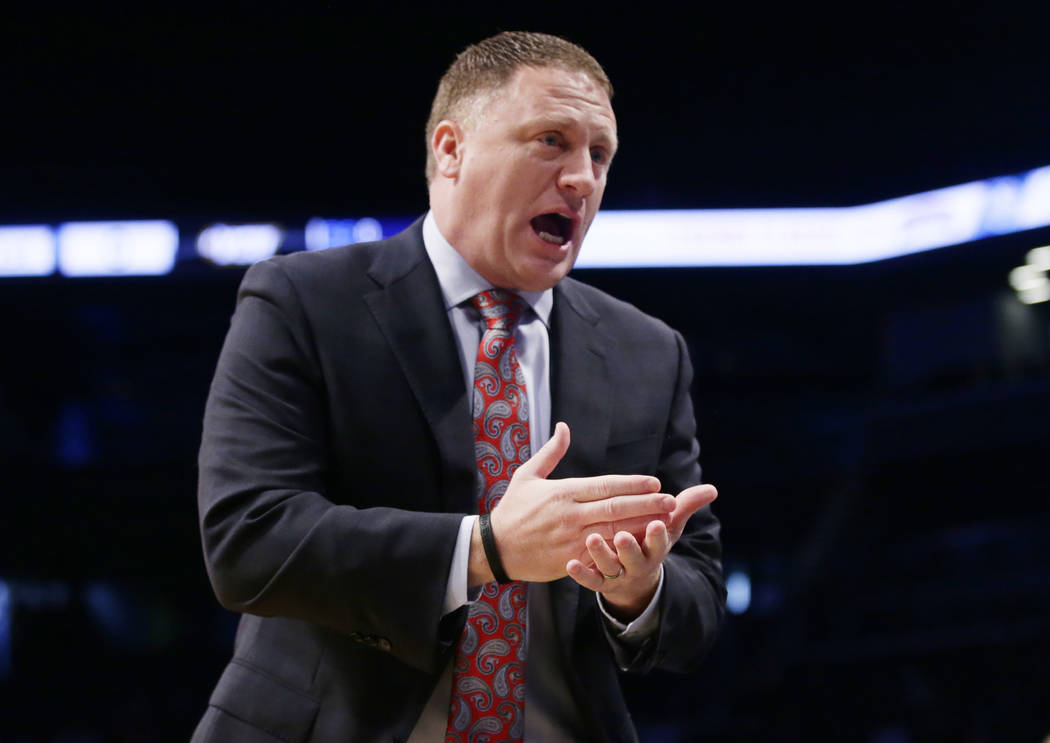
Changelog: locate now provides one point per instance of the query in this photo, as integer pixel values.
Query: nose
(577, 174)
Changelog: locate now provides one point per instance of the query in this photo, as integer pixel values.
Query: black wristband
(488, 541)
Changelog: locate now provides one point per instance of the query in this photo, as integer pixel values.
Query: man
(341, 475)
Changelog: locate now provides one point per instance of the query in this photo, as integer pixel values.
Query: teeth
(556, 239)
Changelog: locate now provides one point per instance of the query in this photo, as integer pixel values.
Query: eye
(551, 140)
(599, 156)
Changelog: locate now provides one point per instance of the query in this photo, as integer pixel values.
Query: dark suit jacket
(336, 465)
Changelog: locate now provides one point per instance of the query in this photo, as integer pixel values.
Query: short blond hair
(488, 65)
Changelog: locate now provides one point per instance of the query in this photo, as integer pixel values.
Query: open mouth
(553, 228)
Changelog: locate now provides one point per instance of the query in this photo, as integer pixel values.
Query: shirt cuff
(626, 639)
(456, 588)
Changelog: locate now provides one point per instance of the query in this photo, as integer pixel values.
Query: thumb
(546, 459)
(688, 502)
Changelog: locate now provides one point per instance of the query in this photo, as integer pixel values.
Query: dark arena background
(877, 428)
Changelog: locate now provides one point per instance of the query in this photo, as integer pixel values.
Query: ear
(447, 146)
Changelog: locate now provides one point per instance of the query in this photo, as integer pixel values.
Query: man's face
(529, 176)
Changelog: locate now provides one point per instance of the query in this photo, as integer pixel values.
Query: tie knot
(500, 308)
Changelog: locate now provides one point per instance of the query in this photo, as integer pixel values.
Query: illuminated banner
(823, 236)
(238, 244)
(617, 239)
(330, 233)
(27, 251)
(141, 248)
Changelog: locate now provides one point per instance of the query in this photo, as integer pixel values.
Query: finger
(605, 559)
(629, 552)
(543, 462)
(585, 489)
(688, 502)
(657, 541)
(624, 507)
(588, 577)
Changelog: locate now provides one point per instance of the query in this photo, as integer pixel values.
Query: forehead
(554, 93)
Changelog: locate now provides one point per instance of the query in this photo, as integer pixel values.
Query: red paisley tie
(488, 680)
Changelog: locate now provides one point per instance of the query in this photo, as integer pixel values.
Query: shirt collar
(459, 282)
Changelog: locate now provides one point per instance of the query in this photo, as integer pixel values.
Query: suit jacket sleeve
(622, 381)
(692, 603)
(282, 533)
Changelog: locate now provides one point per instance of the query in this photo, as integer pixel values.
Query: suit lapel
(410, 311)
(580, 388)
(580, 396)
